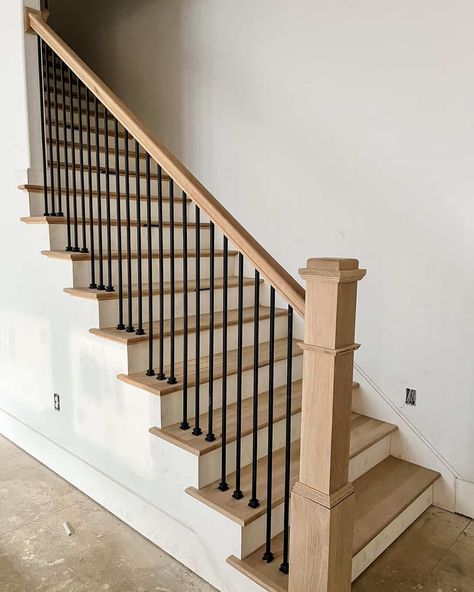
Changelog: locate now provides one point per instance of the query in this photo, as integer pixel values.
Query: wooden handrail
(270, 269)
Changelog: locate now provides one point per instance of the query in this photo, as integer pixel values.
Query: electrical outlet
(410, 397)
(57, 402)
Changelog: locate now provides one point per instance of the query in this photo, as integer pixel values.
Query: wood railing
(271, 270)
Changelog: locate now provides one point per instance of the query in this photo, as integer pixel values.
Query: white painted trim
(464, 498)
(382, 541)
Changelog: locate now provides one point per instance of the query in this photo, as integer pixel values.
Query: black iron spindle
(210, 437)
(120, 324)
(93, 284)
(43, 130)
(172, 377)
(101, 285)
(268, 555)
(197, 399)
(254, 502)
(130, 328)
(161, 371)
(110, 286)
(238, 493)
(75, 247)
(56, 133)
(223, 485)
(50, 132)
(66, 163)
(185, 424)
(284, 567)
(140, 330)
(81, 165)
(150, 371)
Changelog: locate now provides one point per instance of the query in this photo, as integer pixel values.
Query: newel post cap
(332, 269)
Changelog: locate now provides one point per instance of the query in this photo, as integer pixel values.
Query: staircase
(205, 320)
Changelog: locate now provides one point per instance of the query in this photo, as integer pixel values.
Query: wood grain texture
(270, 269)
(61, 220)
(161, 388)
(178, 254)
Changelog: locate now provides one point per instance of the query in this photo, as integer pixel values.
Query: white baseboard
(464, 498)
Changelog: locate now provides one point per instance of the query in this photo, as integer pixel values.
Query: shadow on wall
(117, 36)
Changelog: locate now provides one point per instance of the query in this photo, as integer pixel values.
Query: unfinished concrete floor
(435, 555)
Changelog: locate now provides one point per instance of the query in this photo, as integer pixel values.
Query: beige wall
(328, 128)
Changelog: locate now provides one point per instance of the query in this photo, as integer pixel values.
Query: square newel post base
(321, 540)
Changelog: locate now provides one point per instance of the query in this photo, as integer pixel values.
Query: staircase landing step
(382, 494)
(364, 433)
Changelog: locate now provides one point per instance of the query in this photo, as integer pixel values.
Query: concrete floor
(435, 555)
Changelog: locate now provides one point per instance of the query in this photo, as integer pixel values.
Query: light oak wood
(161, 388)
(364, 433)
(270, 269)
(112, 171)
(322, 501)
(204, 284)
(178, 254)
(62, 220)
(232, 318)
(381, 495)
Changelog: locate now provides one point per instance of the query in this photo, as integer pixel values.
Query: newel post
(323, 499)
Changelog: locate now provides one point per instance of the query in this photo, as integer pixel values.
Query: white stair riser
(365, 461)
(58, 237)
(253, 535)
(82, 271)
(108, 309)
(172, 404)
(138, 354)
(210, 464)
(37, 207)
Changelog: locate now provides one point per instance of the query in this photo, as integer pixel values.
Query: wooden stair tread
(131, 152)
(233, 281)
(112, 171)
(198, 444)
(95, 221)
(178, 254)
(232, 318)
(382, 494)
(362, 428)
(39, 189)
(161, 388)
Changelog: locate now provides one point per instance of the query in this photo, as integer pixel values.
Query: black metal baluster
(56, 134)
(238, 494)
(81, 165)
(101, 285)
(185, 424)
(140, 330)
(75, 247)
(254, 502)
(130, 328)
(161, 371)
(268, 555)
(43, 130)
(284, 567)
(210, 437)
(150, 371)
(120, 324)
(93, 284)
(172, 377)
(50, 132)
(223, 485)
(66, 163)
(197, 399)
(110, 286)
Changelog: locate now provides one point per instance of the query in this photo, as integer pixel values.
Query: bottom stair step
(389, 498)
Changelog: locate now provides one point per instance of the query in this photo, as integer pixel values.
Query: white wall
(328, 128)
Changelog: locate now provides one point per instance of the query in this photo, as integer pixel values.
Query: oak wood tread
(112, 171)
(199, 446)
(178, 254)
(204, 284)
(232, 318)
(161, 388)
(39, 190)
(365, 432)
(95, 221)
(382, 494)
